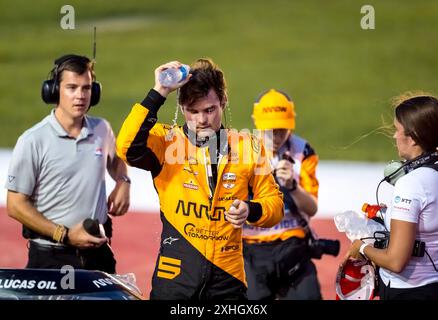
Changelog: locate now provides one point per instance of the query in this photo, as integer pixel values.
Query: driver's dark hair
(206, 75)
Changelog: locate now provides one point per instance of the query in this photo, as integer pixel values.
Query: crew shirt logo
(190, 185)
(98, 151)
(399, 199)
(229, 180)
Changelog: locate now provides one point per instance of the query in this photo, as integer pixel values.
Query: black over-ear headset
(50, 88)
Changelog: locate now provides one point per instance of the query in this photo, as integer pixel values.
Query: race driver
(204, 175)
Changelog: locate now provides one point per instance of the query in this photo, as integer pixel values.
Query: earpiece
(50, 88)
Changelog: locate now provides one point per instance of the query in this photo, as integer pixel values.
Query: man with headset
(56, 176)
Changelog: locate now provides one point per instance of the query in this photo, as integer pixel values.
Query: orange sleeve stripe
(308, 179)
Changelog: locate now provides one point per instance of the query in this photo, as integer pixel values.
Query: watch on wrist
(124, 178)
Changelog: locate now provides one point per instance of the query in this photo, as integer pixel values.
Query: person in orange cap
(278, 260)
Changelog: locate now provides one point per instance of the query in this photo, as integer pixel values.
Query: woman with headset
(412, 216)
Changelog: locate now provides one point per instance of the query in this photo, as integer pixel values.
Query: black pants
(216, 289)
(281, 270)
(427, 292)
(52, 257)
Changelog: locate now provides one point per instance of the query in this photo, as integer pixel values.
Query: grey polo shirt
(65, 177)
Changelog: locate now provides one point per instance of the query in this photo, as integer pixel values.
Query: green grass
(340, 76)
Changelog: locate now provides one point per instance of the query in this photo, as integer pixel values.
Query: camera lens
(324, 246)
(330, 247)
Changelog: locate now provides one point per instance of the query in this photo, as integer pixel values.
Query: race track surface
(136, 241)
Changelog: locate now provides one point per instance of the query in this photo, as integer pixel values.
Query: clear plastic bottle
(357, 225)
(172, 76)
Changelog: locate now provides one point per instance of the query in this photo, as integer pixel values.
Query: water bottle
(172, 76)
(356, 225)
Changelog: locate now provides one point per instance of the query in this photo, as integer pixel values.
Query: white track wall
(343, 186)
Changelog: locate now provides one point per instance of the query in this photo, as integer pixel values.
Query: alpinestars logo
(169, 240)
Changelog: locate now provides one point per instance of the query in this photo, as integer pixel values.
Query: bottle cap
(185, 69)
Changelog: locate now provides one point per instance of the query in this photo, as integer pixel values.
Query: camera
(381, 241)
(318, 247)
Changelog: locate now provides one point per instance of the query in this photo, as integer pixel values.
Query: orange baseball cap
(274, 110)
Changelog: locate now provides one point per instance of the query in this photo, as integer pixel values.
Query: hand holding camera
(284, 172)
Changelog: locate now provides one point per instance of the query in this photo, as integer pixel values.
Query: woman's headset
(50, 88)
(397, 169)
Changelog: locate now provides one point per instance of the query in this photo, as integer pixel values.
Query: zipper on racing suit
(212, 187)
(210, 180)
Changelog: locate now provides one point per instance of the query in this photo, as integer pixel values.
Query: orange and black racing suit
(200, 252)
